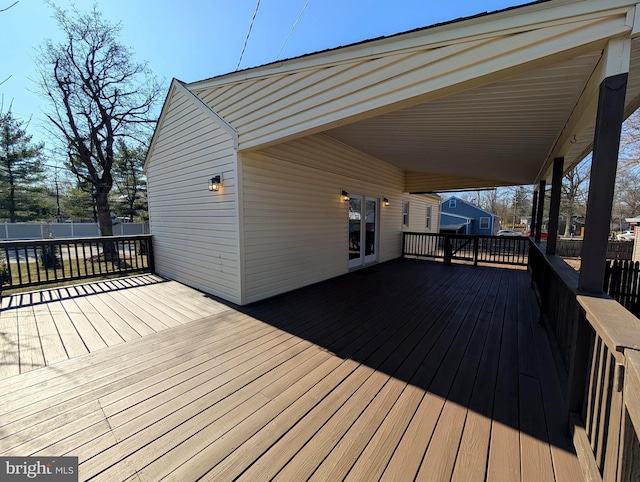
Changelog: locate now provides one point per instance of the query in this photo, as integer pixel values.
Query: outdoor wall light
(215, 182)
(386, 201)
(345, 196)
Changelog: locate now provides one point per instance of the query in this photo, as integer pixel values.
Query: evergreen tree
(20, 165)
(130, 181)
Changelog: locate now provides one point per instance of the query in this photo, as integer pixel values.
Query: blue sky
(196, 39)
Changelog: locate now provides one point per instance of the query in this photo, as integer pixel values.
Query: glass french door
(363, 230)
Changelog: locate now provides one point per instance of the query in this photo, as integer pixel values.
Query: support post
(541, 193)
(606, 143)
(554, 205)
(475, 250)
(534, 209)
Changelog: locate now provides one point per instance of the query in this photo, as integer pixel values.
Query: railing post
(151, 260)
(475, 250)
(448, 249)
(578, 366)
(404, 240)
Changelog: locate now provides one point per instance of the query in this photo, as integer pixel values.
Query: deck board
(441, 375)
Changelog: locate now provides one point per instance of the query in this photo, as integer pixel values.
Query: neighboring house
(430, 110)
(462, 217)
(576, 228)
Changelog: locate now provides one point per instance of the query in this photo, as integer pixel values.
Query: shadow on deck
(405, 370)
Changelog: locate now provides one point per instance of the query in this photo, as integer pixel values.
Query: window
(405, 213)
(428, 217)
(484, 223)
(452, 203)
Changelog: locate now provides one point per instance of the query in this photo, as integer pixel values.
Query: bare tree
(7, 8)
(574, 192)
(98, 94)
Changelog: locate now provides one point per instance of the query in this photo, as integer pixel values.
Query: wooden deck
(409, 370)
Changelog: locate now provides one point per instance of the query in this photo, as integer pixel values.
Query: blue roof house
(461, 217)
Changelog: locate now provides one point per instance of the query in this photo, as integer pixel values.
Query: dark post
(150, 258)
(448, 249)
(475, 250)
(541, 193)
(534, 210)
(606, 143)
(404, 240)
(578, 363)
(554, 204)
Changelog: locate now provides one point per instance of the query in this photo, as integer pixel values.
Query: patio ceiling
(503, 133)
(500, 132)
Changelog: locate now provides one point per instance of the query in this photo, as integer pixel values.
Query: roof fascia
(499, 24)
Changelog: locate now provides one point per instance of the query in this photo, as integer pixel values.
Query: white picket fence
(15, 231)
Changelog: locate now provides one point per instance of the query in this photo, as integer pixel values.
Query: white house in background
(434, 109)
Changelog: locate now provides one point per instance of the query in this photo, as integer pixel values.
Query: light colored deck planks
(87, 331)
(230, 374)
(71, 339)
(107, 375)
(10, 352)
(31, 355)
(422, 381)
(101, 324)
(225, 405)
(52, 346)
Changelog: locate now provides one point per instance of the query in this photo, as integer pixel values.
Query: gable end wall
(195, 231)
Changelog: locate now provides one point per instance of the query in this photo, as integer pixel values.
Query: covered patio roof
(483, 101)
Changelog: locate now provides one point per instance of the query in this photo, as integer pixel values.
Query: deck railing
(474, 248)
(572, 248)
(622, 283)
(30, 263)
(598, 340)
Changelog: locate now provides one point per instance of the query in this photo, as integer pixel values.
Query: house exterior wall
(447, 220)
(463, 208)
(418, 205)
(195, 231)
(296, 226)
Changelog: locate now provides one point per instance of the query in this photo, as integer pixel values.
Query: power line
(292, 28)
(248, 34)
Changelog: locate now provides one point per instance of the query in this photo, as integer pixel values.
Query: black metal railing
(30, 263)
(474, 248)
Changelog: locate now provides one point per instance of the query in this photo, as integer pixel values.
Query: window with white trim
(484, 223)
(405, 213)
(428, 217)
(452, 203)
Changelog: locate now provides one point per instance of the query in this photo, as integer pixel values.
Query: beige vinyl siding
(285, 104)
(195, 231)
(296, 225)
(418, 213)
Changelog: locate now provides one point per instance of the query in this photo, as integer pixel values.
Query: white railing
(17, 231)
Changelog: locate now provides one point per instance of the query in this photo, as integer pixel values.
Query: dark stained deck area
(409, 370)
